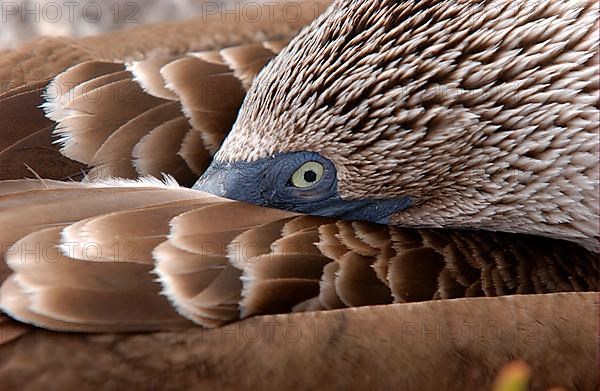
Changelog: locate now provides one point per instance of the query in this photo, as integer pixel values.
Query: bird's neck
(546, 212)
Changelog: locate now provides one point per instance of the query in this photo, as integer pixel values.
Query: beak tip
(209, 184)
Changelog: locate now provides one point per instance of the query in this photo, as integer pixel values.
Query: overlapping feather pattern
(122, 256)
(160, 115)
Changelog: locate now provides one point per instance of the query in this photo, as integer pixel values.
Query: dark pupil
(310, 176)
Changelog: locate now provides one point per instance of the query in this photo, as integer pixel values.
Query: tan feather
(129, 235)
(348, 237)
(246, 61)
(303, 242)
(212, 56)
(157, 152)
(329, 243)
(35, 85)
(414, 273)
(204, 285)
(69, 86)
(310, 305)
(99, 125)
(382, 262)
(328, 294)
(26, 141)
(39, 262)
(277, 295)
(52, 205)
(275, 46)
(422, 265)
(210, 95)
(117, 136)
(82, 133)
(232, 259)
(194, 232)
(357, 284)
(76, 310)
(147, 74)
(57, 92)
(194, 152)
(482, 331)
(16, 303)
(303, 223)
(50, 288)
(114, 157)
(254, 242)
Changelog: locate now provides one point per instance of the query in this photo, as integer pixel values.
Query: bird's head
(409, 112)
(330, 127)
(302, 181)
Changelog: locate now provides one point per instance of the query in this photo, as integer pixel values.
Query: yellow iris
(308, 175)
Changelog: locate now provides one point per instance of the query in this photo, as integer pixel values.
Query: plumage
(147, 74)
(26, 141)
(95, 57)
(312, 349)
(115, 117)
(47, 56)
(115, 156)
(113, 256)
(92, 118)
(217, 260)
(480, 115)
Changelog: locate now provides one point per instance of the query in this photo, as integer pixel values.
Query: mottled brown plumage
(184, 107)
(46, 57)
(485, 113)
(447, 345)
(171, 258)
(217, 261)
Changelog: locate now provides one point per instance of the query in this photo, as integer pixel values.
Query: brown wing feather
(77, 81)
(114, 158)
(357, 284)
(147, 74)
(328, 294)
(75, 276)
(74, 310)
(246, 61)
(56, 203)
(93, 120)
(207, 233)
(157, 152)
(27, 138)
(218, 260)
(108, 113)
(195, 152)
(40, 262)
(131, 235)
(210, 95)
(409, 265)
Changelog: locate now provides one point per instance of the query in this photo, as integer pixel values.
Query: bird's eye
(308, 175)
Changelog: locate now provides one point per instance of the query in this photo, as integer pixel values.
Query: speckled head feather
(479, 114)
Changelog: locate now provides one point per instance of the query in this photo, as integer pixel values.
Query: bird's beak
(240, 181)
(236, 181)
(378, 211)
(212, 181)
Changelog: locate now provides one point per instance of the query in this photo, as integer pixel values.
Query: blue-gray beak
(266, 182)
